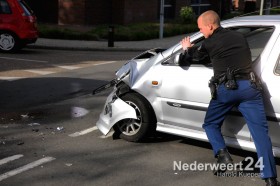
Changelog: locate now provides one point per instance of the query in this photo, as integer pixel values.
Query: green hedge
(187, 14)
(133, 32)
(275, 11)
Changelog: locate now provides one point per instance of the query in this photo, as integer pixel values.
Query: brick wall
(118, 12)
(45, 10)
(98, 12)
(71, 12)
(131, 11)
(92, 12)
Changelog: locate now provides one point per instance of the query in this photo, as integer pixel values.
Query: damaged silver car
(156, 92)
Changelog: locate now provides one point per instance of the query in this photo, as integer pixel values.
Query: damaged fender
(114, 111)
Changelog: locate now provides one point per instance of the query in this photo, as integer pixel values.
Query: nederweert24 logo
(241, 169)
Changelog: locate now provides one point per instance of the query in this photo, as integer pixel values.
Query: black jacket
(225, 49)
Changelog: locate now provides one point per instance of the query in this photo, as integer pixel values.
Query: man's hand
(186, 43)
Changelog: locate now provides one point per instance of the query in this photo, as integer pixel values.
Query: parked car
(154, 92)
(18, 26)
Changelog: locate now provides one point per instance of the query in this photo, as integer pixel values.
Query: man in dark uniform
(231, 59)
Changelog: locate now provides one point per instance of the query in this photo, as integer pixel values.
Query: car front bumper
(115, 110)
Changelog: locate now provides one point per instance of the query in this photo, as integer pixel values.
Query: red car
(18, 26)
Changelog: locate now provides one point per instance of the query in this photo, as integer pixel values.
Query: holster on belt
(212, 84)
(255, 81)
(229, 79)
(230, 82)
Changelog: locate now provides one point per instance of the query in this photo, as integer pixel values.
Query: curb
(81, 45)
(109, 49)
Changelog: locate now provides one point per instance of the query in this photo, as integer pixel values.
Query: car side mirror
(178, 60)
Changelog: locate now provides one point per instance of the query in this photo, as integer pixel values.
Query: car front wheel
(136, 130)
(9, 42)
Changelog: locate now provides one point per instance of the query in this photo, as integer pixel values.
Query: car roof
(256, 18)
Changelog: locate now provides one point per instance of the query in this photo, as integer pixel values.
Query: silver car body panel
(114, 111)
(181, 96)
(199, 135)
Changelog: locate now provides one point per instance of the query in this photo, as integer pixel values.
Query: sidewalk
(103, 45)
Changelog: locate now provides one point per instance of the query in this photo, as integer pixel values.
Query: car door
(186, 95)
(271, 81)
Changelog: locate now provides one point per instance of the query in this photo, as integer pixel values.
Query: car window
(27, 10)
(4, 7)
(257, 37)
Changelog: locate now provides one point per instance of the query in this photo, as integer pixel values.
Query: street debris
(2, 142)
(60, 128)
(20, 143)
(4, 126)
(68, 164)
(77, 112)
(24, 116)
(34, 124)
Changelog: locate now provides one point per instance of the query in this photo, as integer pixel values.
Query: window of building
(169, 8)
(200, 6)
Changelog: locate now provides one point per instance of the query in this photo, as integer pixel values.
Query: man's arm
(192, 53)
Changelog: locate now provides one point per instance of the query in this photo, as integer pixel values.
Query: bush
(60, 33)
(132, 32)
(187, 15)
(275, 11)
(231, 15)
(178, 29)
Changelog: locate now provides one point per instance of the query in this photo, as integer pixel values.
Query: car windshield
(26, 8)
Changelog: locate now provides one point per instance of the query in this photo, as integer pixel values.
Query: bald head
(208, 22)
(210, 17)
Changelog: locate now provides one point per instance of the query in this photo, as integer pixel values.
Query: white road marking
(83, 132)
(10, 78)
(108, 135)
(25, 167)
(41, 72)
(20, 59)
(104, 63)
(68, 67)
(11, 158)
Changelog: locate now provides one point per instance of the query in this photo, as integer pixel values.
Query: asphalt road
(48, 134)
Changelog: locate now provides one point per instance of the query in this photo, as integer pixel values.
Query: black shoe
(272, 182)
(223, 157)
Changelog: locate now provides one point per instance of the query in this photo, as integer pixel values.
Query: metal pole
(261, 7)
(161, 19)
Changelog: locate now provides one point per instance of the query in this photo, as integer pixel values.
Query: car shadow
(37, 98)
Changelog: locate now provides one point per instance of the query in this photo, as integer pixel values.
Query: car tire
(137, 130)
(9, 42)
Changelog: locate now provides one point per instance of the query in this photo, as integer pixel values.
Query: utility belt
(229, 79)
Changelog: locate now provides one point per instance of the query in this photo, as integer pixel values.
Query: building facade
(93, 12)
